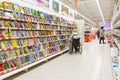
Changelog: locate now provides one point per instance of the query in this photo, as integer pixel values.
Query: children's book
(23, 60)
(5, 34)
(1, 13)
(16, 7)
(30, 49)
(9, 44)
(6, 65)
(1, 5)
(4, 54)
(42, 17)
(21, 9)
(17, 14)
(7, 5)
(25, 50)
(26, 42)
(26, 59)
(31, 57)
(1, 67)
(12, 63)
(4, 45)
(12, 24)
(14, 43)
(8, 14)
(41, 54)
(36, 48)
(14, 34)
(31, 42)
(6, 24)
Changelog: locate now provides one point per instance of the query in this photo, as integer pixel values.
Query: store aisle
(93, 64)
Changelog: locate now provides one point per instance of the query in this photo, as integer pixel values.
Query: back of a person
(76, 40)
(101, 33)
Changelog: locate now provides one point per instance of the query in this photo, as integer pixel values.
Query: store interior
(35, 39)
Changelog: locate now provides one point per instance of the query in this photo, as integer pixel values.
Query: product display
(28, 35)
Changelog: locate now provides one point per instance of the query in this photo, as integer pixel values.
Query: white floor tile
(93, 64)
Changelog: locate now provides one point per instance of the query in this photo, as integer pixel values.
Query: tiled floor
(93, 64)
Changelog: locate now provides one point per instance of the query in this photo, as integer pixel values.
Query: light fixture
(100, 10)
(86, 18)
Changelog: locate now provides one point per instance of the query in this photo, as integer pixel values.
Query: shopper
(98, 34)
(102, 35)
(74, 42)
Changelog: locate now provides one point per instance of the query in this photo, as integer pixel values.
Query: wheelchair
(75, 46)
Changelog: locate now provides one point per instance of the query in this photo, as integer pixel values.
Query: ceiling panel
(90, 9)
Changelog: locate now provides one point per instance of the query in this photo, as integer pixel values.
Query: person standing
(98, 34)
(102, 38)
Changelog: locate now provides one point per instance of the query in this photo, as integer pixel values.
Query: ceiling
(89, 9)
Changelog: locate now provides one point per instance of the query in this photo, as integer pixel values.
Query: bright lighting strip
(100, 10)
(86, 18)
(78, 13)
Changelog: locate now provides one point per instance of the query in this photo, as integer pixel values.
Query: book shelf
(115, 55)
(28, 37)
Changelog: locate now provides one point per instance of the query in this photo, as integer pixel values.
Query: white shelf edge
(30, 65)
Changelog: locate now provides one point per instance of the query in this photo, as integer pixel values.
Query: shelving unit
(116, 33)
(28, 37)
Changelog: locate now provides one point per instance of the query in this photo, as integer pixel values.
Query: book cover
(21, 24)
(25, 50)
(26, 59)
(12, 24)
(1, 5)
(4, 45)
(1, 13)
(9, 44)
(26, 17)
(6, 65)
(30, 42)
(41, 54)
(42, 17)
(34, 18)
(25, 25)
(25, 42)
(21, 51)
(1, 67)
(19, 33)
(12, 64)
(18, 62)
(36, 48)
(14, 34)
(8, 15)
(14, 43)
(31, 57)
(29, 25)
(21, 9)
(16, 7)
(7, 5)
(4, 34)
(30, 49)
(16, 24)
(17, 14)
(22, 42)
(23, 60)
(6, 24)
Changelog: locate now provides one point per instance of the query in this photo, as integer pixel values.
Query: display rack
(115, 61)
(116, 35)
(28, 37)
(116, 54)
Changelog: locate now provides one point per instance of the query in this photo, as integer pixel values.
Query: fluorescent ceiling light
(78, 12)
(86, 18)
(100, 10)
